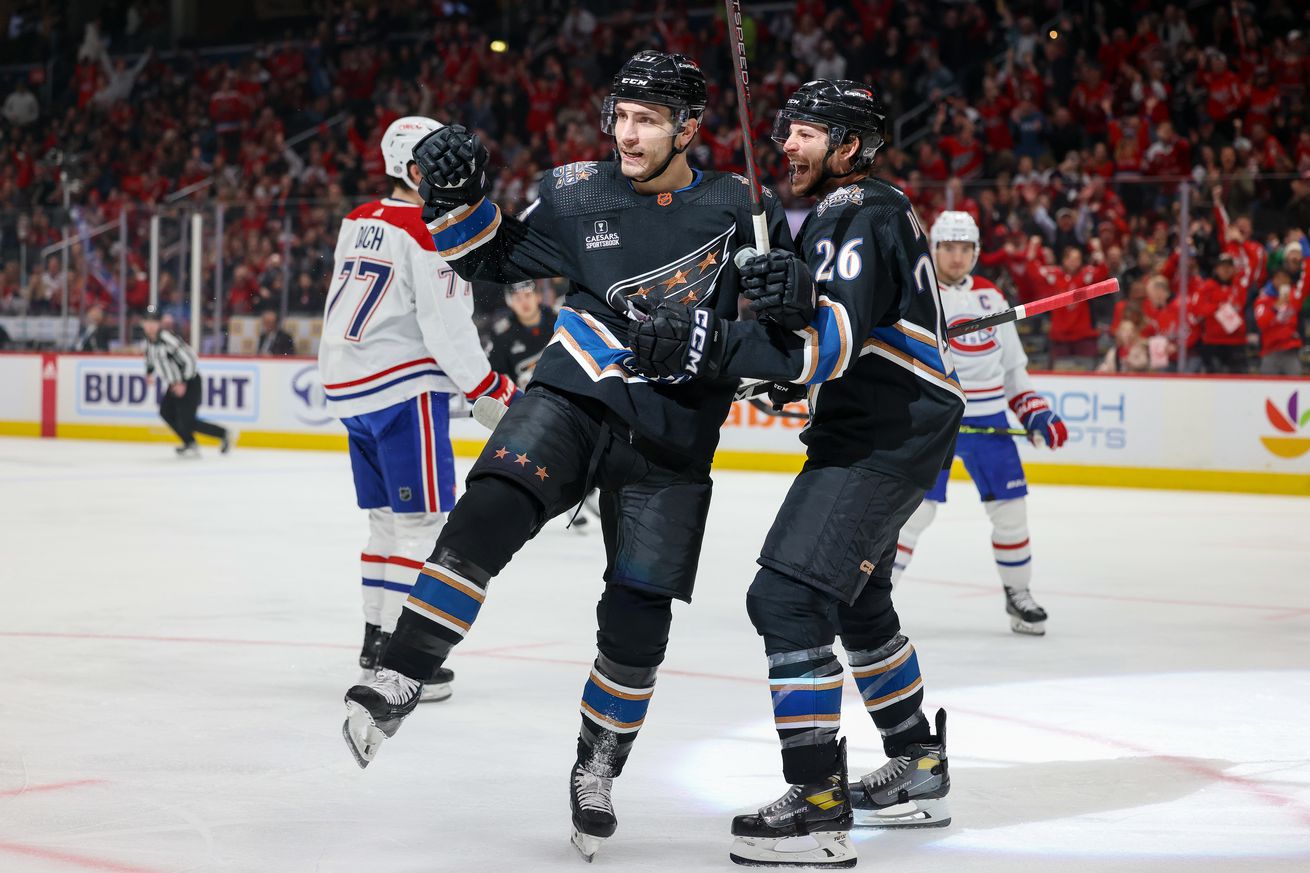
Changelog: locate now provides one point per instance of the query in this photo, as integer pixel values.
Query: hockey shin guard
(892, 687)
(439, 612)
(806, 691)
(1014, 557)
(614, 704)
(415, 534)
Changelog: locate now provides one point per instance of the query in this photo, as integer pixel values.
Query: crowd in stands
(1069, 139)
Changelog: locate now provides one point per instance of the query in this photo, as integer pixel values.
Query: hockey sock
(909, 536)
(439, 612)
(892, 687)
(1010, 546)
(373, 562)
(806, 690)
(614, 704)
(415, 534)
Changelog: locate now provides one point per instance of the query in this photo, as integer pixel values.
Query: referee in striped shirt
(175, 364)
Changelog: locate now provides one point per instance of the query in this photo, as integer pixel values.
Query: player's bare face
(954, 259)
(643, 136)
(806, 149)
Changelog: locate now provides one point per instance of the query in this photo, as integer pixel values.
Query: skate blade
(933, 813)
(586, 844)
(362, 736)
(434, 692)
(1028, 628)
(824, 849)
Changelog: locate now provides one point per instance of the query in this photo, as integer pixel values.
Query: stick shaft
(1037, 307)
(741, 77)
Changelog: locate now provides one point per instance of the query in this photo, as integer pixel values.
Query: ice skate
(227, 442)
(371, 653)
(438, 688)
(593, 812)
(909, 791)
(374, 711)
(190, 450)
(808, 826)
(1026, 617)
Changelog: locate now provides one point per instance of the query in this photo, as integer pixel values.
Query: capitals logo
(572, 174)
(980, 342)
(1287, 446)
(691, 279)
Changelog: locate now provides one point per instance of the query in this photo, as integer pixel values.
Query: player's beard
(805, 175)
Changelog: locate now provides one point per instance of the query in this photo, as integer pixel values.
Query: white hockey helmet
(399, 141)
(954, 226)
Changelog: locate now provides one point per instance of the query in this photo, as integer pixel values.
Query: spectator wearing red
(1225, 90)
(963, 150)
(1091, 102)
(1235, 239)
(1223, 328)
(994, 116)
(1073, 337)
(1169, 155)
(1277, 312)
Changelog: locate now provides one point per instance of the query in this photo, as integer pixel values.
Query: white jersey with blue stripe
(398, 320)
(991, 363)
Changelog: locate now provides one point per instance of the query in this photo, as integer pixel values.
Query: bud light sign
(121, 389)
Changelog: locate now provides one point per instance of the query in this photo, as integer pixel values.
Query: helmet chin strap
(825, 174)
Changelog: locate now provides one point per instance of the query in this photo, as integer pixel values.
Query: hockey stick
(999, 431)
(1037, 307)
(741, 77)
(783, 412)
(754, 388)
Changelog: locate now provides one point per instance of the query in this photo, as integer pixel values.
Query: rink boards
(1182, 432)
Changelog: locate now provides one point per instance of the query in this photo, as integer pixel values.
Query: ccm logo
(866, 568)
(699, 336)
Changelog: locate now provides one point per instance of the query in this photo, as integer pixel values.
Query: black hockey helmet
(661, 78)
(845, 107)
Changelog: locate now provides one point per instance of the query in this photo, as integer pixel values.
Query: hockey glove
(782, 393)
(498, 387)
(453, 162)
(676, 341)
(779, 286)
(1043, 425)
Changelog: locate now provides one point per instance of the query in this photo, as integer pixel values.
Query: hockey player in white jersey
(398, 340)
(993, 370)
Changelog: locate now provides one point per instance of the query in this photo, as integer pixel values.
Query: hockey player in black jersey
(628, 234)
(855, 317)
(518, 339)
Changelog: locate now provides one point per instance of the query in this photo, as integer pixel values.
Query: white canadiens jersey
(398, 321)
(991, 362)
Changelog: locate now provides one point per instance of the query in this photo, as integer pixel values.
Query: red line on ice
(74, 860)
(1250, 785)
(53, 786)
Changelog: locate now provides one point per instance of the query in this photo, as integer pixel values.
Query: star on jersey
(541, 474)
(501, 452)
(690, 278)
(521, 460)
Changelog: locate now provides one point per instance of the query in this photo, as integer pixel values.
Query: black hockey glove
(677, 340)
(782, 393)
(779, 286)
(453, 162)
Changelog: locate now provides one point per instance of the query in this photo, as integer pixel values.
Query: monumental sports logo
(1287, 446)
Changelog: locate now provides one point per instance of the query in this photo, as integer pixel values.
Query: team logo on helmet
(691, 279)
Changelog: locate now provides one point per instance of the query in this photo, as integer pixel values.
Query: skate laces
(592, 791)
(782, 803)
(395, 688)
(1022, 598)
(887, 772)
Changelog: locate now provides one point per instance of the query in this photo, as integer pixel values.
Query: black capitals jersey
(515, 347)
(623, 253)
(883, 393)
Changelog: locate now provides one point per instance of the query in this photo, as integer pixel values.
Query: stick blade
(488, 412)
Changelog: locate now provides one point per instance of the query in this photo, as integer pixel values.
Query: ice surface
(175, 638)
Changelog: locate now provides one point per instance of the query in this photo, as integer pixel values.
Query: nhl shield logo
(691, 279)
(405, 493)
